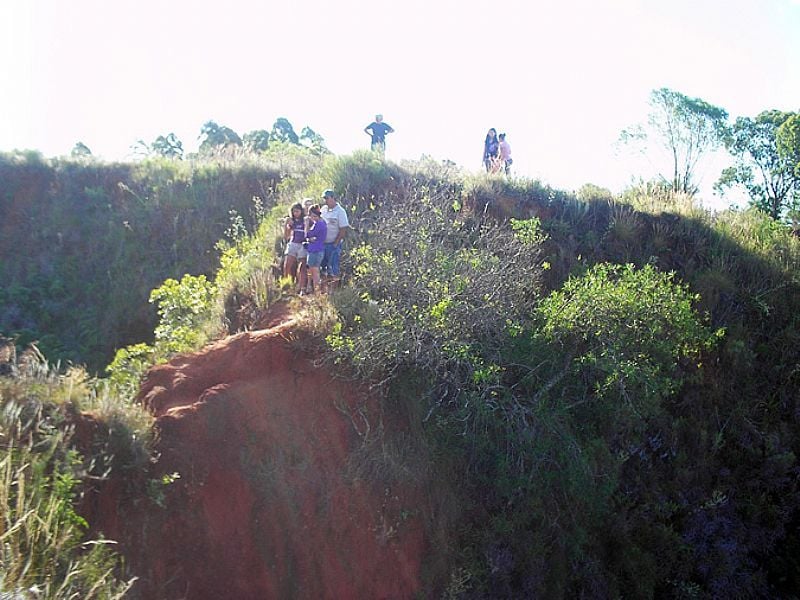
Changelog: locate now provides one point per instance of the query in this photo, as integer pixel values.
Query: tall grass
(44, 550)
(43, 553)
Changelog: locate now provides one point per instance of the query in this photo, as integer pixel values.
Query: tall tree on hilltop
(688, 128)
(767, 157)
(215, 137)
(314, 140)
(256, 141)
(282, 131)
(169, 146)
(80, 150)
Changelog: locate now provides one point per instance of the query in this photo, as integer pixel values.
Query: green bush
(436, 291)
(540, 398)
(627, 329)
(184, 310)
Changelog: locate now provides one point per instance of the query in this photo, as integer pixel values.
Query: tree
(314, 140)
(765, 161)
(215, 137)
(687, 128)
(789, 141)
(169, 146)
(80, 150)
(256, 141)
(282, 131)
(141, 149)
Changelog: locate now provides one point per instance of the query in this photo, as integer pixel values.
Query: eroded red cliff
(269, 499)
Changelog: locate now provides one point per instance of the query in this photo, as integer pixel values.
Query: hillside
(83, 243)
(535, 395)
(269, 501)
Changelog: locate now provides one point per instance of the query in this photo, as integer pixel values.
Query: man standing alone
(336, 219)
(378, 130)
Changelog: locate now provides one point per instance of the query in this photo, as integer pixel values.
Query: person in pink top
(505, 153)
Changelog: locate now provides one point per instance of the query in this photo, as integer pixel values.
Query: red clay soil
(268, 503)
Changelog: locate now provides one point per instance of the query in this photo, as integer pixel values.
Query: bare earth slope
(266, 505)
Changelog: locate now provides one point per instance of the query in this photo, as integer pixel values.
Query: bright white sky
(561, 77)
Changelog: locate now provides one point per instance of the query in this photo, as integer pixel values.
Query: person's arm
(367, 129)
(315, 230)
(341, 235)
(389, 129)
(344, 225)
(287, 229)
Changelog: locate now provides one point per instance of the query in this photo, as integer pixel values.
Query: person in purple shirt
(491, 148)
(294, 232)
(315, 243)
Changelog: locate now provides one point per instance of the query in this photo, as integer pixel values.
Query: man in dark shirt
(378, 130)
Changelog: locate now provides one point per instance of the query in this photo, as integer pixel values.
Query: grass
(44, 550)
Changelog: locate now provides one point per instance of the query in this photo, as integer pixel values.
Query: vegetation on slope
(83, 243)
(45, 551)
(610, 384)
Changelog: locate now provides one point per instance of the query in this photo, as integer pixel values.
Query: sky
(562, 78)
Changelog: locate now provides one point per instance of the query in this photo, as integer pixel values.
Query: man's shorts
(296, 249)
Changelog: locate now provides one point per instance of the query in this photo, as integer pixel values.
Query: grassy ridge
(82, 244)
(595, 454)
(610, 385)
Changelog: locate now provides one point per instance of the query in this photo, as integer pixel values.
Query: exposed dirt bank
(270, 500)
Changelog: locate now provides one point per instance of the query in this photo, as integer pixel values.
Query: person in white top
(336, 219)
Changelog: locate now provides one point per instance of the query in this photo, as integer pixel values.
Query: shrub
(541, 398)
(627, 329)
(184, 308)
(436, 289)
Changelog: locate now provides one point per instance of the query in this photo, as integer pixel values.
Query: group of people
(496, 150)
(496, 153)
(314, 232)
(314, 236)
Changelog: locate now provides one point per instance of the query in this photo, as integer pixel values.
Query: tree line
(216, 139)
(765, 149)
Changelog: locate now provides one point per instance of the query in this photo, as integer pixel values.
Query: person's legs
(290, 267)
(325, 266)
(314, 272)
(336, 253)
(302, 275)
(314, 260)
